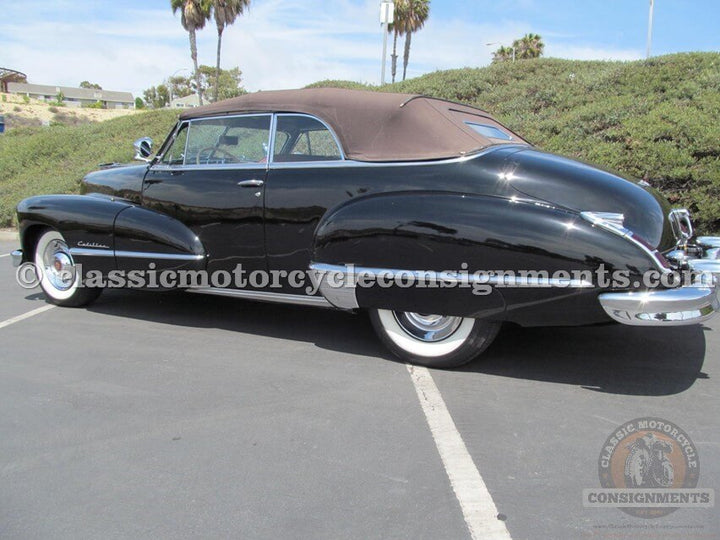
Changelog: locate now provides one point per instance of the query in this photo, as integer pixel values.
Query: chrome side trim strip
(262, 296)
(448, 277)
(627, 235)
(225, 167)
(161, 256)
(343, 297)
(86, 252)
(83, 252)
(337, 283)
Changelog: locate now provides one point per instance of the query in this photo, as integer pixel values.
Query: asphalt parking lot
(170, 415)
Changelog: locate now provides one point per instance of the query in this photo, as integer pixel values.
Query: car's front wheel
(439, 341)
(58, 273)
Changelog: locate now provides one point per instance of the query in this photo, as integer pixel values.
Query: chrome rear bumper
(672, 307)
(667, 307)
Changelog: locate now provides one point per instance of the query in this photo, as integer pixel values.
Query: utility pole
(387, 12)
(650, 26)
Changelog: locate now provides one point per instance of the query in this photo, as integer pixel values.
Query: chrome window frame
(167, 143)
(344, 162)
(304, 164)
(157, 166)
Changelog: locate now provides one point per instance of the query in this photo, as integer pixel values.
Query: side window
(491, 132)
(223, 141)
(175, 155)
(301, 138)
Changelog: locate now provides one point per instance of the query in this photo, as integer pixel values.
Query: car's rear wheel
(440, 341)
(59, 275)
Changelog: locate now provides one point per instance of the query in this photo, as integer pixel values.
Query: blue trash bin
(2, 123)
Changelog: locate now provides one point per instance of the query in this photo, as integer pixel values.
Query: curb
(7, 235)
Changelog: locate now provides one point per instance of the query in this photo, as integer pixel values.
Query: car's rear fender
(441, 231)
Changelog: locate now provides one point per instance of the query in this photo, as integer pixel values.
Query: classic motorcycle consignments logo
(649, 468)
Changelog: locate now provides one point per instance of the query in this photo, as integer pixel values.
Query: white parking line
(478, 508)
(4, 255)
(27, 315)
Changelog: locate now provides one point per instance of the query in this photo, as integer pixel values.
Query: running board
(262, 296)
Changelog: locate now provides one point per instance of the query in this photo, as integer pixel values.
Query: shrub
(97, 105)
(35, 160)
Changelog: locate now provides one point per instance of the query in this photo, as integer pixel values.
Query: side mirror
(143, 148)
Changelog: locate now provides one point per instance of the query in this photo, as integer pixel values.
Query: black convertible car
(430, 215)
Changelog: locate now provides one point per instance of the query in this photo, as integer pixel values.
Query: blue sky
(134, 44)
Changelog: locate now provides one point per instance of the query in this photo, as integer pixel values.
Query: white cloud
(277, 44)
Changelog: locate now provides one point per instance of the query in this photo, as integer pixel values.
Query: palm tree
(193, 16)
(225, 12)
(398, 29)
(529, 46)
(503, 54)
(414, 19)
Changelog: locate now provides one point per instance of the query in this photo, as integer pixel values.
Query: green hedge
(36, 160)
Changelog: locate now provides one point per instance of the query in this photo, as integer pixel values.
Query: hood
(581, 187)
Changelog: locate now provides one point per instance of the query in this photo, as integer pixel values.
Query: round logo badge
(646, 455)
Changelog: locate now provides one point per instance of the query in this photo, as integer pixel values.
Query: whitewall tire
(59, 278)
(433, 340)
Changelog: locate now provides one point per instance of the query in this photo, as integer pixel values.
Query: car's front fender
(104, 233)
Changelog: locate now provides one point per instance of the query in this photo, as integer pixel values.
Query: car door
(211, 178)
(307, 176)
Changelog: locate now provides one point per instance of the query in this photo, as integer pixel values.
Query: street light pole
(387, 12)
(650, 26)
(171, 78)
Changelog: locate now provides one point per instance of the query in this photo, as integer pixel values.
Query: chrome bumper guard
(17, 257)
(672, 307)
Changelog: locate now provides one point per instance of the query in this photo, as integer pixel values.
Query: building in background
(74, 97)
(10, 75)
(186, 102)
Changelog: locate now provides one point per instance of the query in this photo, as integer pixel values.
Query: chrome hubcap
(58, 265)
(427, 327)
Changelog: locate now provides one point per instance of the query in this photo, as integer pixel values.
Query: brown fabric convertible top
(376, 126)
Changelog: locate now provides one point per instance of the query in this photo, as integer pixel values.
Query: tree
(398, 29)
(225, 12)
(529, 46)
(503, 54)
(225, 86)
(193, 16)
(180, 86)
(139, 103)
(92, 86)
(412, 18)
(157, 97)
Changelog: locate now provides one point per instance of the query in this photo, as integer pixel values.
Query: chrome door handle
(251, 183)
